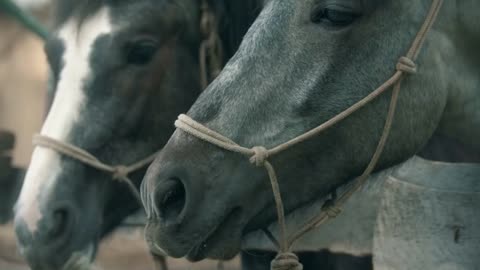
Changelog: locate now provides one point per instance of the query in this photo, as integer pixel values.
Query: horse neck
(461, 119)
(351, 232)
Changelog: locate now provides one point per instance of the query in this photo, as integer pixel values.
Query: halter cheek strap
(259, 155)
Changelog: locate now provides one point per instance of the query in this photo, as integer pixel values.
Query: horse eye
(141, 52)
(334, 17)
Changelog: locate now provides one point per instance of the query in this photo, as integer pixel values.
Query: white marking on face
(45, 166)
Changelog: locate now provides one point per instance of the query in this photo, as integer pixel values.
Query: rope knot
(333, 211)
(260, 156)
(330, 207)
(286, 261)
(406, 65)
(120, 172)
(207, 20)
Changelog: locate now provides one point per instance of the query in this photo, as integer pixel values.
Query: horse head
(301, 64)
(121, 72)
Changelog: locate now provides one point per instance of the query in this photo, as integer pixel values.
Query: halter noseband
(259, 155)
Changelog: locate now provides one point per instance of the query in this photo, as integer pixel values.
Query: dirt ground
(125, 250)
(23, 80)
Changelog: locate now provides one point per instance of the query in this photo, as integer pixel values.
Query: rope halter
(406, 65)
(119, 172)
(259, 155)
(286, 261)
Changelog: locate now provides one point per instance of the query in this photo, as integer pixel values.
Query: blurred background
(23, 78)
(23, 84)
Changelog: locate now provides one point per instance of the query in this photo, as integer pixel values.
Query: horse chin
(222, 242)
(82, 260)
(217, 248)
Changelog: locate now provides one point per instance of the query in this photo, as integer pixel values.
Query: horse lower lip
(199, 252)
(81, 261)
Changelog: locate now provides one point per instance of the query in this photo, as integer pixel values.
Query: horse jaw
(461, 119)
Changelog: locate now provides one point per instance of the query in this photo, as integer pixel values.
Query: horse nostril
(59, 223)
(170, 199)
(52, 233)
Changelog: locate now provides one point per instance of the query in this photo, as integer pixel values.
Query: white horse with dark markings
(121, 72)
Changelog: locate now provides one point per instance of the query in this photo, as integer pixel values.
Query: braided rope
(259, 155)
(211, 48)
(118, 172)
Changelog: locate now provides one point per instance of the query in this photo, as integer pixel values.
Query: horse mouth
(82, 260)
(215, 239)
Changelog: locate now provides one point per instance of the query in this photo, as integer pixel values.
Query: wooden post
(430, 221)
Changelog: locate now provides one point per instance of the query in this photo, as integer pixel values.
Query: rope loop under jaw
(286, 261)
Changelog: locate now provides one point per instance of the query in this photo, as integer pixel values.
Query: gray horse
(301, 63)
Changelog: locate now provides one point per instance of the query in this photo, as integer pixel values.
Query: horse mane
(235, 18)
